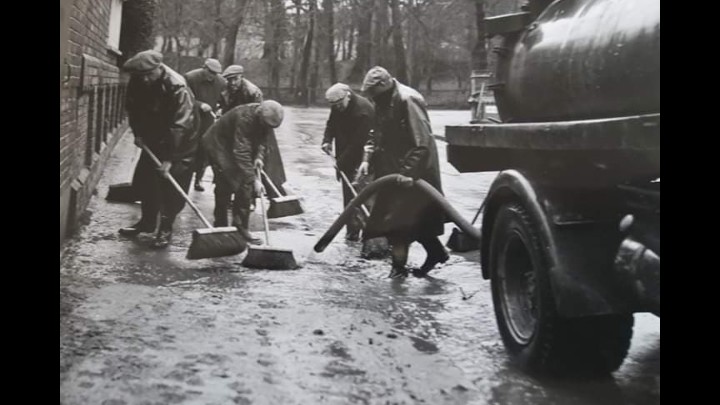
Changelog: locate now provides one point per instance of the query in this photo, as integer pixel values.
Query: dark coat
(249, 93)
(206, 91)
(164, 116)
(233, 143)
(403, 143)
(245, 94)
(350, 129)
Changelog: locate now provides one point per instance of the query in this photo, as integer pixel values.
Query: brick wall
(92, 117)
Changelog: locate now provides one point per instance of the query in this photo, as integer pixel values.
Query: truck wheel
(534, 335)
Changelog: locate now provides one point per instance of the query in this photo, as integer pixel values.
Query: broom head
(123, 192)
(269, 258)
(216, 242)
(286, 206)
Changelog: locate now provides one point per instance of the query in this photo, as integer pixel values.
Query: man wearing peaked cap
(213, 65)
(143, 62)
(207, 84)
(272, 113)
(239, 89)
(233, 70)
(161, 111)
(402, 143)
(377, 80)
(236, 145)
(351, 119)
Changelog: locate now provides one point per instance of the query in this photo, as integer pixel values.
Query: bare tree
(401, 71)
(380, 34)
(218, 26)
(350, 43)
(479, 51)
(237, 16)
(330, 38)
(363, 12)
(302, 90)
(297, 42)
(275, 26)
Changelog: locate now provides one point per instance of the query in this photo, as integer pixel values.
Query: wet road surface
(140, 326)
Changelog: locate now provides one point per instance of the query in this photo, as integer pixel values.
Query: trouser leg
(223, 197)
(355, 223)
(147, 182)
(399, 252)
(172, 202)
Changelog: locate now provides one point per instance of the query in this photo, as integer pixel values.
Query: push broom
(123, 192)
(281, 206)
(210, 241)
(266, 256)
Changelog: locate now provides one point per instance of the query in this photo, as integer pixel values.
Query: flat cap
(337, 92)
(213, 65)
(233, 70)
(271, 112)
(143, 62)
(376, 76)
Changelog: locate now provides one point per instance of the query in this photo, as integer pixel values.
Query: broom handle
(271, 183)
(178, 188)
(477, 214)
(264, 215)
(352, 189)
(347, 183)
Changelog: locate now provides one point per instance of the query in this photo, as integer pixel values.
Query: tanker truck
(570, 235)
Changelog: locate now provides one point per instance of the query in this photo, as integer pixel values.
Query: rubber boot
(399, 261)
(133, 230)
(243, 224)
(164, 234)
(436, 253)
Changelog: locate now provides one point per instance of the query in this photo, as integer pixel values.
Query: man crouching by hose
(162, 115)
(403, 143)
(236, 145)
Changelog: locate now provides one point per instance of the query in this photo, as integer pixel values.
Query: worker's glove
(327, 148)
(205, 107)
(139, 142)
(405, 181)
(165, 169)
(258, 165)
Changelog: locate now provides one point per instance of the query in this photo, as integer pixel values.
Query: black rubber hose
(388, 181)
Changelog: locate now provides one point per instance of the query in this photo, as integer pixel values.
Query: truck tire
(534, 335)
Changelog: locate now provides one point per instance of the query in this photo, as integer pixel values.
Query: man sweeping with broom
(351, 119)
(161, 112)
(241, 91)
(236, 145)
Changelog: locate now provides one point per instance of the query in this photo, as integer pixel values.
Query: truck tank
(581, 59)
